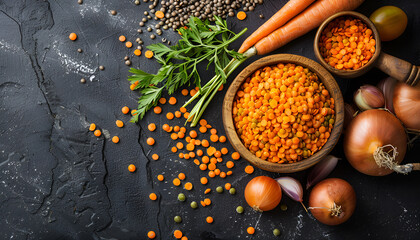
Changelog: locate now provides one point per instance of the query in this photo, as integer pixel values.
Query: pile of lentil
(347, 43)
(283, 113)
(176, 13)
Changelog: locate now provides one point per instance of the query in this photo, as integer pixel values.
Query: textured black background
(58, 181)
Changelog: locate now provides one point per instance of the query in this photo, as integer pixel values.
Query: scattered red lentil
(131, 168)
(119, 123)
(125, 110)
(115, 139)
(151, 234)
(153, 196)
(249, 169)
(250, 230)
(97, 133)
(92, 127)
(150, 141)
(73, 36)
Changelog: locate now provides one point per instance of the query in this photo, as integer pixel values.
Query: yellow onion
(407, 105)
(263, 193)
(332, 201)
(375, 142)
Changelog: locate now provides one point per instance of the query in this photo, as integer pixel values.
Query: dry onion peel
(321, 170)
(292, 188)
(387, 86)
(407, 105)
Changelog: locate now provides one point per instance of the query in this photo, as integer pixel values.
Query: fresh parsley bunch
(200, 42)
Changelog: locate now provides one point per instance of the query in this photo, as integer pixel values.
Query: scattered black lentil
(177, 12)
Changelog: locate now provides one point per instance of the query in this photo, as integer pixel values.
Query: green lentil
(283, 207)
(276, 232)
(181, 197)
(239, 209)
(232, 191)
(194, 204)
(177, 219)
(219, 189)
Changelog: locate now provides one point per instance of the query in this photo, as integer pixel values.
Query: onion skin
(369, 130)
(325, 194)
(263, 193)
(407, 105)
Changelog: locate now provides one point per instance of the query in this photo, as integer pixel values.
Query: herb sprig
(200, 42)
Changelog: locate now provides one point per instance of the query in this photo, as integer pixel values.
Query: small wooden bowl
(399, 69)
(348, 73)
(323, 75)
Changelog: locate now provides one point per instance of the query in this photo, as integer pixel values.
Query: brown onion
(407, 105)
(375, 142)
(332, 201)
(263, 193)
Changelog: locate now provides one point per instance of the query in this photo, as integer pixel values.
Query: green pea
(276, 232)
(194, 205)
(232, 191)
(331, 121)
(239, 209)
(177, 219)
(181, 197)
(283, 207)
(219, 189)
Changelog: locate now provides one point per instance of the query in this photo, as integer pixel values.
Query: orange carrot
(309, 19)
(287, 12)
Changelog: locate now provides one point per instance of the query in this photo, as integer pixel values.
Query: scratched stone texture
(58, 181)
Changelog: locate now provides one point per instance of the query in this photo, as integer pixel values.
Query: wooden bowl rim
(348, 73)
(323, 76)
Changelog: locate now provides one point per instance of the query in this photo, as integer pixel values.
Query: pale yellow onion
(407, 105)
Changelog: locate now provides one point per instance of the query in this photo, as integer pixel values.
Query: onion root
(335, 210)
(385, 159)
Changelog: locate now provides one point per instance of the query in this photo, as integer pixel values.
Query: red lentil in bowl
(283, 113)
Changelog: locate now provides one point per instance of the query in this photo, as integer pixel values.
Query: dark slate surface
(58, 181)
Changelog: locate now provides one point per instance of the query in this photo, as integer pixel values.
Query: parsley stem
(213, 86)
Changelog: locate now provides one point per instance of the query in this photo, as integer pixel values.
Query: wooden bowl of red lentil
(347, 44)
(297, 95)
